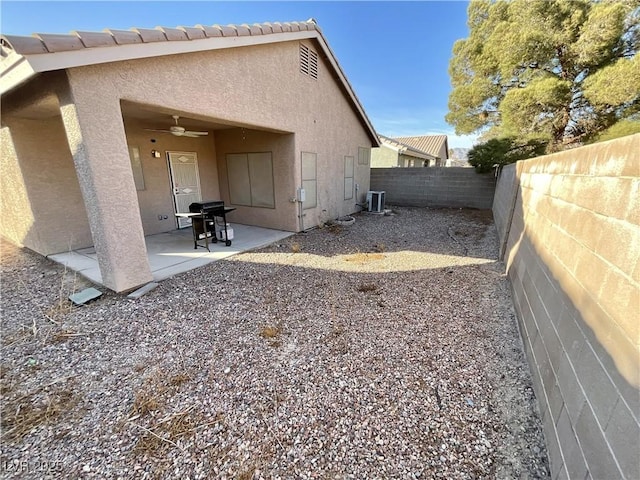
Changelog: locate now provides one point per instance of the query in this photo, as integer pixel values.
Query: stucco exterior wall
(41, 203)
(573, 258)
(260, 87)
(283, 216)
(384, 157)
(157, 197)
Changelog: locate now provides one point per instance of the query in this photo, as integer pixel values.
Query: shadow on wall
(570, 237)
(42, 206)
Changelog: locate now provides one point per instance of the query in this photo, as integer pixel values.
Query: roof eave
(28, 65)
(15, 70)
(45, 62)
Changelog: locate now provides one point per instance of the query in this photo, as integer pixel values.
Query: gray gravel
(386, 349)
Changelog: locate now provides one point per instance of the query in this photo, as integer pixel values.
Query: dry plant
(367, 287)
(269, 331)
(334, 228)
(64, 335)
(150, 401)
(40, 407)
(247, 474)
(272, 334)
(296, 248)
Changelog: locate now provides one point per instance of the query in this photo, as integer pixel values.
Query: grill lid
(197, 207)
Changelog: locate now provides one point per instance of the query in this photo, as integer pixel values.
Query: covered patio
(171, 253)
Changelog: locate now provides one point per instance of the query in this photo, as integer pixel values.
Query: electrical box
(302, 195)
(375, 201)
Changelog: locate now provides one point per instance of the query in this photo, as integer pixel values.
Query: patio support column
(96, 137)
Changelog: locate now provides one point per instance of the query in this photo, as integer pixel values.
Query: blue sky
(395, 54)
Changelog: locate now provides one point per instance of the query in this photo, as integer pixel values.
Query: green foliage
(623, 128)
(560, 70)
(503, 151)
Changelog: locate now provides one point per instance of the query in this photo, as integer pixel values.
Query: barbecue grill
(203, 222)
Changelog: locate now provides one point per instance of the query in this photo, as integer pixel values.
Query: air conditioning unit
(375, 201)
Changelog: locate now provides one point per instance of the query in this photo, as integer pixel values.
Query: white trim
(16, 73)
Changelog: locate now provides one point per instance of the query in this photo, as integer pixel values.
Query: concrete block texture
(570, 229)
(435, 187)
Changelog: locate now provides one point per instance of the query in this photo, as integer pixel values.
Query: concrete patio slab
(172, 253)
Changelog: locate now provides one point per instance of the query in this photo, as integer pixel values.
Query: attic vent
(308, 61)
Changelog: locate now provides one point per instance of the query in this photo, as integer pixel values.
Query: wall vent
(308, 61)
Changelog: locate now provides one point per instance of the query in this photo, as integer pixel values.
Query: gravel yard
(385, 349)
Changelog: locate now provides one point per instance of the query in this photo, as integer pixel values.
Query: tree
(557, 70)
(502, 151)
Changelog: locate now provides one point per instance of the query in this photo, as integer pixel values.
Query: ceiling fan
(179, 131)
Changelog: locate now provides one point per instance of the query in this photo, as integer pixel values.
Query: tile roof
(53, 43)
(406, 148)
(23, 57)
(430, 144)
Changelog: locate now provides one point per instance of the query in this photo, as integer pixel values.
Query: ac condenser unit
(375, 201)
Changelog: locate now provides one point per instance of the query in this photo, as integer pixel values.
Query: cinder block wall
(571, 222)
(434, 186)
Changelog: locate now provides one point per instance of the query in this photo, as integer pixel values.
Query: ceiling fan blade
(194, 134)
(156, 130)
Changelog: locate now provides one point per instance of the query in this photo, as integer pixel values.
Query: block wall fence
(569, 226)
(435, 187)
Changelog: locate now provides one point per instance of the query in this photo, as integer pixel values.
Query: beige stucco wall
(384, 157)
(260, 87)
(157, 197)
(281, 146)
(41, 203)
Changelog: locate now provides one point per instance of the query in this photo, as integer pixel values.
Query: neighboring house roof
(405, 149)
(431, 144)
(24, 57)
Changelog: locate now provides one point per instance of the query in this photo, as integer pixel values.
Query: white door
(185, 182)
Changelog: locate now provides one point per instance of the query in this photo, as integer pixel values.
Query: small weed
(334, 228)
(139, 367)
(247, 474)
(296, 248)
(269, 332)
(64, 335)
(146, 401)
(367, 287)
(42, 406)
(180, 378)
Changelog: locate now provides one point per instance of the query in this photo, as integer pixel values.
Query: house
(436, 145)
(92, 153)
(393, 153)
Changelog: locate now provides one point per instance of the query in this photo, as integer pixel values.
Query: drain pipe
(362, 206)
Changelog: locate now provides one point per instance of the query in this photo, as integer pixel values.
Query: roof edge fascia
(26, 66)
(16, 70)
(46, 62)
